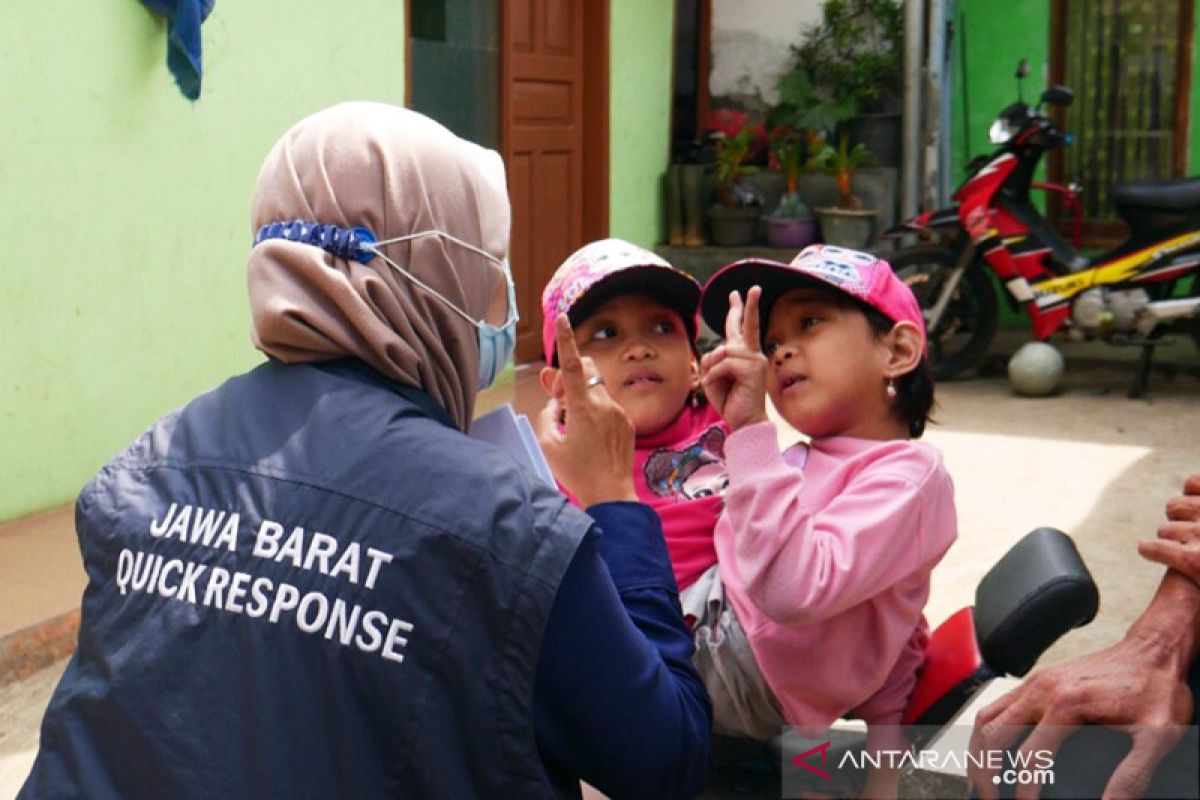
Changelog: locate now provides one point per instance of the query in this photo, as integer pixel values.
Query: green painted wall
(1194, 139)
(997, 36)
(128, 210)
(639, 116)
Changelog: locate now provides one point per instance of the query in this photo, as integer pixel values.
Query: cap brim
(673, 289)
(774, 277)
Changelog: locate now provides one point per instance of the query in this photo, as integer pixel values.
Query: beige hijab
(395, 172)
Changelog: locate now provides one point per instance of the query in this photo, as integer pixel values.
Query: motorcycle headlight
(1001, 131)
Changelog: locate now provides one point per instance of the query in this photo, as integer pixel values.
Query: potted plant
(847, 224)
(791, 224)
(855, 54)
(734, 217)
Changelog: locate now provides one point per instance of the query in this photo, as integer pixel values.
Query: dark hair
(914, 390)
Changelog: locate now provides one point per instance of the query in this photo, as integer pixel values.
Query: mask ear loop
(442, 235)
(427, 288)
(513, 317)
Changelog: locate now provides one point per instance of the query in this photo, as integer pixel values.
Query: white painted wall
(751, 41)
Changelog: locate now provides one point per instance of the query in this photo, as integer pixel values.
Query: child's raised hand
(735, 374)
(592, 456)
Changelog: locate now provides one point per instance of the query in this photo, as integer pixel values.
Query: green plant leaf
(795, 88)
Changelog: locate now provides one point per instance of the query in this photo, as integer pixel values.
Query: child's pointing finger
(750, 320)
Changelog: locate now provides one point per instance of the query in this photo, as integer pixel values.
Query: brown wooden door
(553, 61)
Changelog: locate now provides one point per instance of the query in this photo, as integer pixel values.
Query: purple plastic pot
(790, 232)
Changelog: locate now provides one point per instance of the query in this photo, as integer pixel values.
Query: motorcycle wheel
(966, 329)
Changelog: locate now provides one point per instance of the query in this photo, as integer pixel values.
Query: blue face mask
(496, 343)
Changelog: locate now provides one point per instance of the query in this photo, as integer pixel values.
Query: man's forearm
(1170, 626)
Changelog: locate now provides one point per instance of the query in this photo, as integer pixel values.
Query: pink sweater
(826, 552)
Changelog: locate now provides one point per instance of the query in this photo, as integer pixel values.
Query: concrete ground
(1089, 461)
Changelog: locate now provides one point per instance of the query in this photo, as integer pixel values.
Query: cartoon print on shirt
(698, 470)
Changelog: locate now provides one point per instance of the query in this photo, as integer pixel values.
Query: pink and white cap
(867, 278)
(601, 270)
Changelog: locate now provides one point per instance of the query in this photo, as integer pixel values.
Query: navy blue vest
(307, 583)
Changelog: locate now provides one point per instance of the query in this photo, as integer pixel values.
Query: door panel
(559, 35)
(556, 204)
(539, 102)
(519, 17)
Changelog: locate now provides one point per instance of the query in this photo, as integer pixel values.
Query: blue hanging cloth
(183, 39)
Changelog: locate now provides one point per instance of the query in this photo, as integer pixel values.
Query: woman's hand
(735, 374)
(592, 454)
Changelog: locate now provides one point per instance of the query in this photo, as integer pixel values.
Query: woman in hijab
(308, 582)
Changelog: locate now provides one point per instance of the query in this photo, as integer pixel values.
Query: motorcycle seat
(1177, 194)
(1035, 593)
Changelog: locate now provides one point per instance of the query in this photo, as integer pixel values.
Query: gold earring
(890, 389)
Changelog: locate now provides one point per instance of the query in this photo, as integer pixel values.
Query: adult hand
(1133, 686)
(735, 374)
(1178, 543)
(592, 453)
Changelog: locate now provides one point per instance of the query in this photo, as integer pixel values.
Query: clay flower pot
(733, 226)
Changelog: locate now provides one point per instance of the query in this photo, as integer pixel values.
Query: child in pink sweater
(826, 549)
(635, 317)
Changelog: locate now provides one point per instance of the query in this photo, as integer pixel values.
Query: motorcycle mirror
(1022, 71)
(1059, 95)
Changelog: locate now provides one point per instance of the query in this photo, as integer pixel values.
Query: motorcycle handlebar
(1051, 135)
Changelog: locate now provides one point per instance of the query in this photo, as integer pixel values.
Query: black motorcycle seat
(1178, 194)
(1037, 592)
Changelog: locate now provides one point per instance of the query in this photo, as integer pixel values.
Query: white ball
(1036, 369)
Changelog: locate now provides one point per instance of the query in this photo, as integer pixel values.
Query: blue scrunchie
(347, 243)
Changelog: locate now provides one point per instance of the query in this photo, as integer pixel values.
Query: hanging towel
(183, 39)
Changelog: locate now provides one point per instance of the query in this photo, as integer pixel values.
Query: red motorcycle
(1123, 296)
